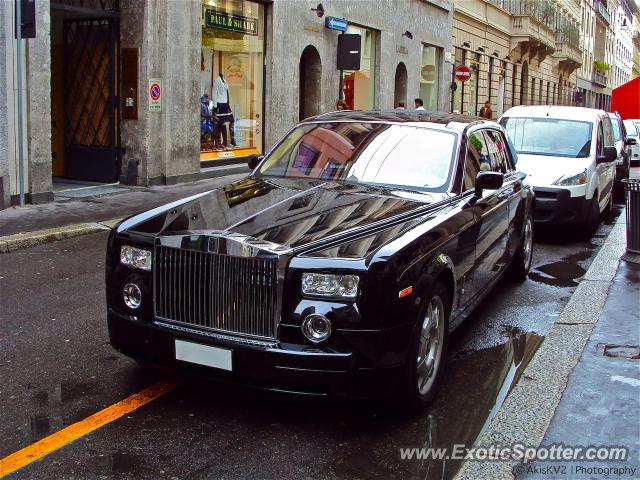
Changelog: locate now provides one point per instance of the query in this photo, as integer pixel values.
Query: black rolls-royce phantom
(338, 266)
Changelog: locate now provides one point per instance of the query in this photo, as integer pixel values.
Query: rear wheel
(424, 365)
(607, 213)
(521, 263)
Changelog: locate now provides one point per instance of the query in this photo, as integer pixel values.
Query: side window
(477, 159)
(497, 151)
(600, 140)
(609, 138)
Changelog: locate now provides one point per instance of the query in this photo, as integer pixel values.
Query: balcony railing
(604, 13)
(545, 12)
(599, 78)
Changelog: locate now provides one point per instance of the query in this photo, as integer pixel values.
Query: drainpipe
(18, 5)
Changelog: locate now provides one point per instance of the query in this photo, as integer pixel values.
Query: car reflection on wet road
(58, 369)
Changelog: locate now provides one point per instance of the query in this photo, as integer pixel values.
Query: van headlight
(135, 257)
(577, 179)
(325, 285)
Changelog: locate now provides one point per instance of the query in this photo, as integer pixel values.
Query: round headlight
(132, 295)
(316, 328)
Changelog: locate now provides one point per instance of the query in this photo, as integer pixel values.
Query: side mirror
(610, 155)
(254, 160)
(488, 181)
(630, 141)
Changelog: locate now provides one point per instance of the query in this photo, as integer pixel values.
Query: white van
(569, 154)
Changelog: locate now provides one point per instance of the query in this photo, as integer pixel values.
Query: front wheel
(521, 263)
(593, 218)
(424, 365)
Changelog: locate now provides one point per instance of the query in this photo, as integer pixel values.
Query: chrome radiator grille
(219, 292)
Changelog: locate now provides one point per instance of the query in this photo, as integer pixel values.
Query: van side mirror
(610, 155)
(254, 160)
(630, 141)
(488, 181)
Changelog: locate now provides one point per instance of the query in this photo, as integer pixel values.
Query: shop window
(429, 73)
(232, 46)
(359, 86)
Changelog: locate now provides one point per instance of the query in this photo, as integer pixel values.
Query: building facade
(520, 52)
(114, 88)
(623, 31)
(595, 77)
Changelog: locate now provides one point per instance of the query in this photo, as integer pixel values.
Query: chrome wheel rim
(430, 344)
(528, 243)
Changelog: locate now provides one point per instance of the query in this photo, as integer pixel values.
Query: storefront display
(231, 79)
(359, 86)
(429, 76)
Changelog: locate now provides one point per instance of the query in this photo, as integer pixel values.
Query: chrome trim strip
(218, 336)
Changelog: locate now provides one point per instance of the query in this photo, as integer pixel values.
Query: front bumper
(285, 367)
(556, 207)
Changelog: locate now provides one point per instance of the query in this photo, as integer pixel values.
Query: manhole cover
(622, 351)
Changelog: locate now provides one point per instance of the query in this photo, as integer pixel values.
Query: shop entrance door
(91, 104)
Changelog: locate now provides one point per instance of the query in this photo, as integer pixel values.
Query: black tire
(413, 398)
(592, 221)
(521, 262)
(607, 213)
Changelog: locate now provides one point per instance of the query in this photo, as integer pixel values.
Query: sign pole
(340, 85)
(18, 4)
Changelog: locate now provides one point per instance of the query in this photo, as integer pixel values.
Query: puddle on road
(476, 385)
(563, 273)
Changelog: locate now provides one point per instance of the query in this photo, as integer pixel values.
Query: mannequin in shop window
(223, 112)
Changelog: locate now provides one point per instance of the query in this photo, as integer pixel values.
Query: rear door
(510, 191)
(491, 212)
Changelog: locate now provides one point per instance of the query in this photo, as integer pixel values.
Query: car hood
(545, 170)
(289, 212)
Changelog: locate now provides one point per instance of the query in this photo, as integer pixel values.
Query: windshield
(630, 127)
(406, 156)
(549, 136)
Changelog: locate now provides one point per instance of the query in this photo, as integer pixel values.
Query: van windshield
(549, 136)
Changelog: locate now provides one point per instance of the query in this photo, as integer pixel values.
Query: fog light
(132, 295)
(316, 328)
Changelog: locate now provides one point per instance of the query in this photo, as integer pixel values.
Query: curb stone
(526, 414)
(17, 241)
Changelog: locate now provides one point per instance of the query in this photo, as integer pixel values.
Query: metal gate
(91, 103)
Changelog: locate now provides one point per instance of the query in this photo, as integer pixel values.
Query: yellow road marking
(53, 442)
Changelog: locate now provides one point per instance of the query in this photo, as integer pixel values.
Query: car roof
(438, 120)
(554, 111)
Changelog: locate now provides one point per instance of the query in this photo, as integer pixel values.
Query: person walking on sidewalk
(485, 111)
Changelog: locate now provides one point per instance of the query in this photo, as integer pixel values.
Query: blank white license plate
(203, 355)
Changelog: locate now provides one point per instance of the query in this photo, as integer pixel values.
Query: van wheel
(427, 350)
(593, 218)
(607, 213)
(521, 262)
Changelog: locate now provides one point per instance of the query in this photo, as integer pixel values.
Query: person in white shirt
(419, 103)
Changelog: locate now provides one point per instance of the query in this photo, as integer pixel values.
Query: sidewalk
(90, 214)
(601, 404)
(582, 386)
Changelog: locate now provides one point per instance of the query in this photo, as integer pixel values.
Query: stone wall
(293, 26)
(6, 142)
(164, 144)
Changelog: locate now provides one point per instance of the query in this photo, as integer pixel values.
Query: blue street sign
(335, 23)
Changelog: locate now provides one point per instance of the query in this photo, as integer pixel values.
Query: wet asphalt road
(58, 368)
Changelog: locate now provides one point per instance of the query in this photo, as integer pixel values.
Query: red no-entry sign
(462, 73)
